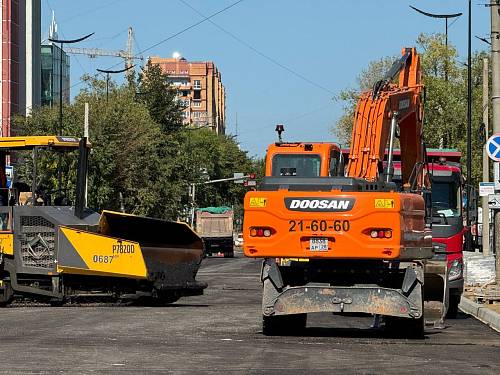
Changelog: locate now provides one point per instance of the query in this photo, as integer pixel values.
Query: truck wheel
(283, 325)
(405, 327)
(453, 306)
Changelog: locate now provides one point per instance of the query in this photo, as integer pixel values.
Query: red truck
(448, 229)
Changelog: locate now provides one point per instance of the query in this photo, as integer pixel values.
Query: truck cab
(448, 214)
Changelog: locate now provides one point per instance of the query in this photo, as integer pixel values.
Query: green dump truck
(215, 226)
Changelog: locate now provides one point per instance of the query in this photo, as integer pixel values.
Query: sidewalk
(479, 271)
(486, 313)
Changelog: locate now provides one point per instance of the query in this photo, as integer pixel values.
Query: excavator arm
(379, 112)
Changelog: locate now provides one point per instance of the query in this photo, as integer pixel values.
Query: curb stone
(480, 312)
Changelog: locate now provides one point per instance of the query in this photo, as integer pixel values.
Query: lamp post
(59, 131)
(108, 72)
(62, 42)
(446, 17)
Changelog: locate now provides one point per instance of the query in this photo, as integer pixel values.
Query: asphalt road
(220, 332)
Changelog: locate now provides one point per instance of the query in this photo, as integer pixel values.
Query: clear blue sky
(326, 41)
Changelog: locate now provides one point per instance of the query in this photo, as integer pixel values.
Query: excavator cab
(300, 159)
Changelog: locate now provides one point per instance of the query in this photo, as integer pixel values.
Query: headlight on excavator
(456, 270)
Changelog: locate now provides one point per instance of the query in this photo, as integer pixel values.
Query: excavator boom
(377, 113)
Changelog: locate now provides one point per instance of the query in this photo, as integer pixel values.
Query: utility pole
(86, 136)
(468, 238)
(495, 63)
(495, 91)
(486, 164)
(59, 131)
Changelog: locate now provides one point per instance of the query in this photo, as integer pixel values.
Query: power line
(174, 35)
(192, 26)
(91, 10)
(262, 54)
(289, 120)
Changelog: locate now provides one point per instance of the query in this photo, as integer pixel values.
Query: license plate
(318, 244)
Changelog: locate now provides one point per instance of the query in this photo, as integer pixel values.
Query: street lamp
(446, 17)
(108, 72)
(62, 42)
(59, 131)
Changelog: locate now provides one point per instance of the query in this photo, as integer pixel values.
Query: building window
(197, 103)
(196, 95)
(196, 114)
(185, 114)
(197, 84)
(184, 103)
(185, 93)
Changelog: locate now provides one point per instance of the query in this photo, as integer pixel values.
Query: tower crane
(126, 54)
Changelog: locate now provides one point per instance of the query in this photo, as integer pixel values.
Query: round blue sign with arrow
(493, 147)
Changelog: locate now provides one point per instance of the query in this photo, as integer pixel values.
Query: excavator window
(336, 168)
(300, 165)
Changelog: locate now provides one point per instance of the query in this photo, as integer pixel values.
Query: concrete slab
(487, 314)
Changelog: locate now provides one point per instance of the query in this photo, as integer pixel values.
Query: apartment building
(200, 91)
(19, 60)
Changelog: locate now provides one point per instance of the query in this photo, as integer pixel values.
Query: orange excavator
(347, 239)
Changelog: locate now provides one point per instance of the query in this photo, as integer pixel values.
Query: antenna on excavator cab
(280, 128)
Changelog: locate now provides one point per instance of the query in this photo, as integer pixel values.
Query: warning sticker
(258, 202)
(384, 203)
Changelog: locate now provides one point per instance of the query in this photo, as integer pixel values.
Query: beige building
(200, 91)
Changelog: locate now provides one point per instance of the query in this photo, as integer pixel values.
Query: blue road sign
(9, 173)
(493, 147)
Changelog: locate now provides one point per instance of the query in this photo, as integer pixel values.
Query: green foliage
(140, 150)
(365, 81)
(445, 79)
(159, 97)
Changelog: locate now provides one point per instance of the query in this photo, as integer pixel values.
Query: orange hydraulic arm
(379, 111)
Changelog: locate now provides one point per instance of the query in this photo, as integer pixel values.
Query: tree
(123, 137)
(160, 98)
(365, 81)
(445, 100)
(140, 150)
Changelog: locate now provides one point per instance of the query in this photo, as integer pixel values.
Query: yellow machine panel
(7, 243)
(86, 253)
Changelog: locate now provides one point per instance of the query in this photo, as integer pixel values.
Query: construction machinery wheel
(168, 297)
(6, 294)
(453, 303)
(56, 302)
(405, 327)
(160, 298)
(283, 325)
